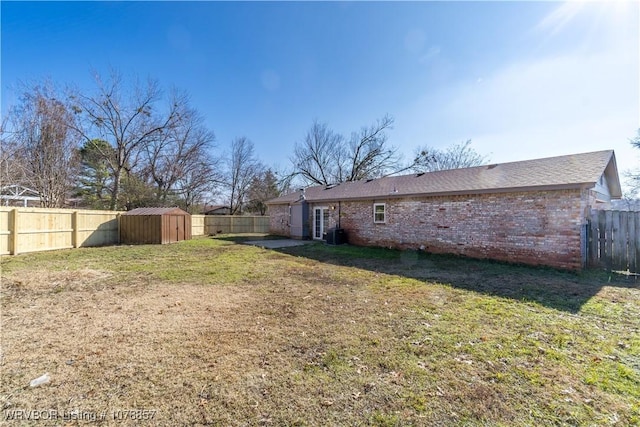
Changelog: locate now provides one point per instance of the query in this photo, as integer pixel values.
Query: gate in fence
(613, 240)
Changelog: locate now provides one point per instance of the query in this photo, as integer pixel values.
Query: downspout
(339, 213)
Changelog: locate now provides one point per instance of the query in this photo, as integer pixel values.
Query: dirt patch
(257, 337)
(121, 347)
(39, 281)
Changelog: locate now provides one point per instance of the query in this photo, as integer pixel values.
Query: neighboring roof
(156, 211)
(215, 208)
(563, 172)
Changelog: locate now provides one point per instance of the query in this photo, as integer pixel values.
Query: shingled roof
(552, 173)
(156, 211)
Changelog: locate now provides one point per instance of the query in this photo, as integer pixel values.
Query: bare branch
(242, 168)
(324, 158)
(43, 153)
(454, 157)
(129, 123)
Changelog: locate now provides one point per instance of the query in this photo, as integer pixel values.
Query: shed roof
(563, 172)
(156, 211)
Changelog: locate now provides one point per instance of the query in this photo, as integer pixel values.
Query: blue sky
(521, 79)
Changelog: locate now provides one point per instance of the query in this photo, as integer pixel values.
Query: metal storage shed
(155, 225)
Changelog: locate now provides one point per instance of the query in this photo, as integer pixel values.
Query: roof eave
(280, 202)
(613, 178)
(573, 186)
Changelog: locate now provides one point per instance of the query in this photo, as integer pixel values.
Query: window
(379, 213)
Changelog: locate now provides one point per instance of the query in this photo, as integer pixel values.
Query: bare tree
(633, 177)
(8, 173)
(243, 166)
(454, 157)
(199, 181)
(319, 159)
(43, 152)
(370, 155)
(284, 179)
(173, 156)
(125, 116)
(635, 142)
(326, 157)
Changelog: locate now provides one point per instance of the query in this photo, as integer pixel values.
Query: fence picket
(634, 229)
(602, 237)
(617, 244)
(614, 240)
(593, 247)
(40, 229)
(608, 246)
(214, 224)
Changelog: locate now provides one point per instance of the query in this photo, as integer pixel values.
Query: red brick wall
(279, 220)
(536, 228)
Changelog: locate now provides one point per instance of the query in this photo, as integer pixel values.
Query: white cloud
(536, 108)
(595, 22)
(549, 92)
(559, 18)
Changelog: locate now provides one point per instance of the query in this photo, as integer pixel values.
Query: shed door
(176, 228)
(180, 227)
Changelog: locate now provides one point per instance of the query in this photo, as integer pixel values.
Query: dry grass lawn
(211, 332)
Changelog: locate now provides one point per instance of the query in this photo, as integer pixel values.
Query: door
(181, 227)
(176, 228)
(320, 221)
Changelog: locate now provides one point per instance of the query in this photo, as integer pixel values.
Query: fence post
(74, 226)
(119, 218)
(615, 240)
(634, 237)
(13, 227)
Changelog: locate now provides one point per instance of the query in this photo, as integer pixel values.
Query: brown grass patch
(300, 340)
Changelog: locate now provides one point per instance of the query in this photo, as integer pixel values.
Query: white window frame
(384, 213)
(322, 226)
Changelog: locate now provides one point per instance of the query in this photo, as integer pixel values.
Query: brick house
(532, 212)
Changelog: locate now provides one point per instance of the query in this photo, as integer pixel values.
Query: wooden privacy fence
(37, 229)
(197, 225)
(614, 240)
(214, 224)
